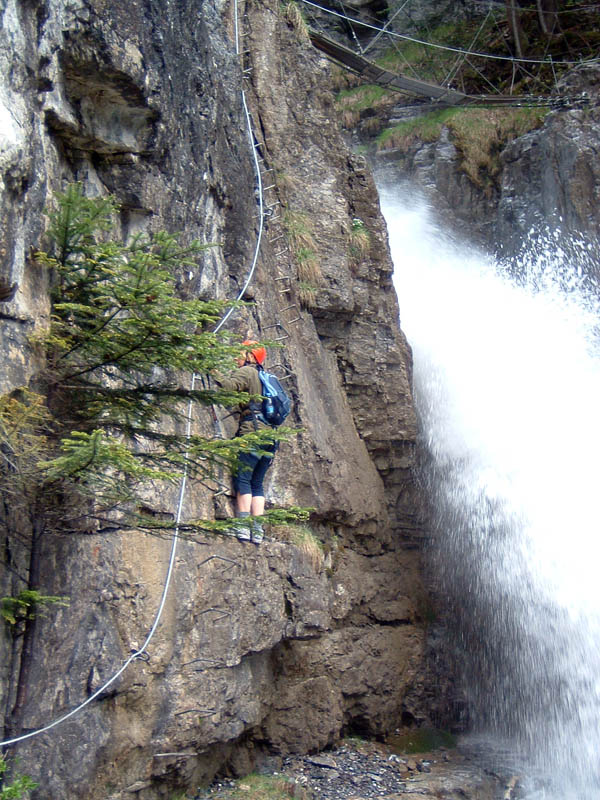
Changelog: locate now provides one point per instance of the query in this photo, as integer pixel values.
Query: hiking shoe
(241, 532)
(258, 532)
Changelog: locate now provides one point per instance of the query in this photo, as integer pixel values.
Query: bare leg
(244, 502)
(257, 506)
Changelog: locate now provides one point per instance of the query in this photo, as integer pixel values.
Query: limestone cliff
(257, 649)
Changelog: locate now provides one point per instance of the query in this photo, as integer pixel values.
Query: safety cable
(524, 10)
(140, 654)
(448, 47)
(352, 31)
(386, 26)
(457, 64)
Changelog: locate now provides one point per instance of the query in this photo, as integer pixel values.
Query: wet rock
(322, 760)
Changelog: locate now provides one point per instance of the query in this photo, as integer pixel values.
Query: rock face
(550, 177)
(257, 648)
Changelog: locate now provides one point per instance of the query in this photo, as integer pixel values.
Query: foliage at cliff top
(561, 32)
(545, 31)
(479, 135)
(107, 420)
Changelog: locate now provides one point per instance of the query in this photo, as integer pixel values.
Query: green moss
(426, 128)
(262, 787)
(480, 135)
(420, 740)
(362, 97)
(350, 103)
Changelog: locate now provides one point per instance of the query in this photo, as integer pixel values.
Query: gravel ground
(370, 771)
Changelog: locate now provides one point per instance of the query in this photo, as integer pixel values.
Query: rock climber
(253, 466)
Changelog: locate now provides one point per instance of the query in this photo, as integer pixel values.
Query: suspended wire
(495, 89)
(352, 31)
(457, 64)
(140, 654)
(524, 10)
(386, 26)
(449, 48)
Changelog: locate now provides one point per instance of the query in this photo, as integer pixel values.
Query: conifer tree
(119, 342)
(106, 415)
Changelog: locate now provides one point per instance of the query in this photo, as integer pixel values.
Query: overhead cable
(449, 48)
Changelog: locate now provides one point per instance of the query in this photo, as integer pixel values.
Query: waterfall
(507, 385)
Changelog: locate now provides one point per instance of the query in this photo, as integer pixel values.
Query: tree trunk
(15, 723)
(548, 16)
(514, 25)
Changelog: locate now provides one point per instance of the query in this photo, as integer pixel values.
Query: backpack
(276, 404)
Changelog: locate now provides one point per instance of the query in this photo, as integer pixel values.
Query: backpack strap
(254, 406)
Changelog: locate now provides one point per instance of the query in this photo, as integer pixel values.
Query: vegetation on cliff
(549, 37)
(479, 135)
(108, 415)
(108, 419)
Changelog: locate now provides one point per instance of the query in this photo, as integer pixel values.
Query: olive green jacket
(244, 379)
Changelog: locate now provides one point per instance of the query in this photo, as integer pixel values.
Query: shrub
(18, 786)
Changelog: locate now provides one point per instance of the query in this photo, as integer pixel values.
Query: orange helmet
(259, 353)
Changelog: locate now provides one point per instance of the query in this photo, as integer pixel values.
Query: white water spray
(507, 379)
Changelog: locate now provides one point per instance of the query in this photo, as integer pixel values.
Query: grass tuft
(295, 19)
(262, 787)
(302, 537)
(351, 102)
(304, 247)
(360, 239)
(479, 134)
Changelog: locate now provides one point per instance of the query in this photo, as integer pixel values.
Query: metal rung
(281, 235)
(296, 319)
(282, 253)
(287, 308)
(272, 186)
(285, 277)
(285, 291)
(281, 338)
(275, 204)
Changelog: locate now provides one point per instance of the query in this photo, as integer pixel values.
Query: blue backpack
(276, 404)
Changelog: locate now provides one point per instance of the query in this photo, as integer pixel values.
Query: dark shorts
(251, 472)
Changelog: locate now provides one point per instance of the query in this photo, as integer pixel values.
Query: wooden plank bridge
(440, 95)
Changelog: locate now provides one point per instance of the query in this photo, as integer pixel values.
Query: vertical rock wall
(550, 177)
(258, 649)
